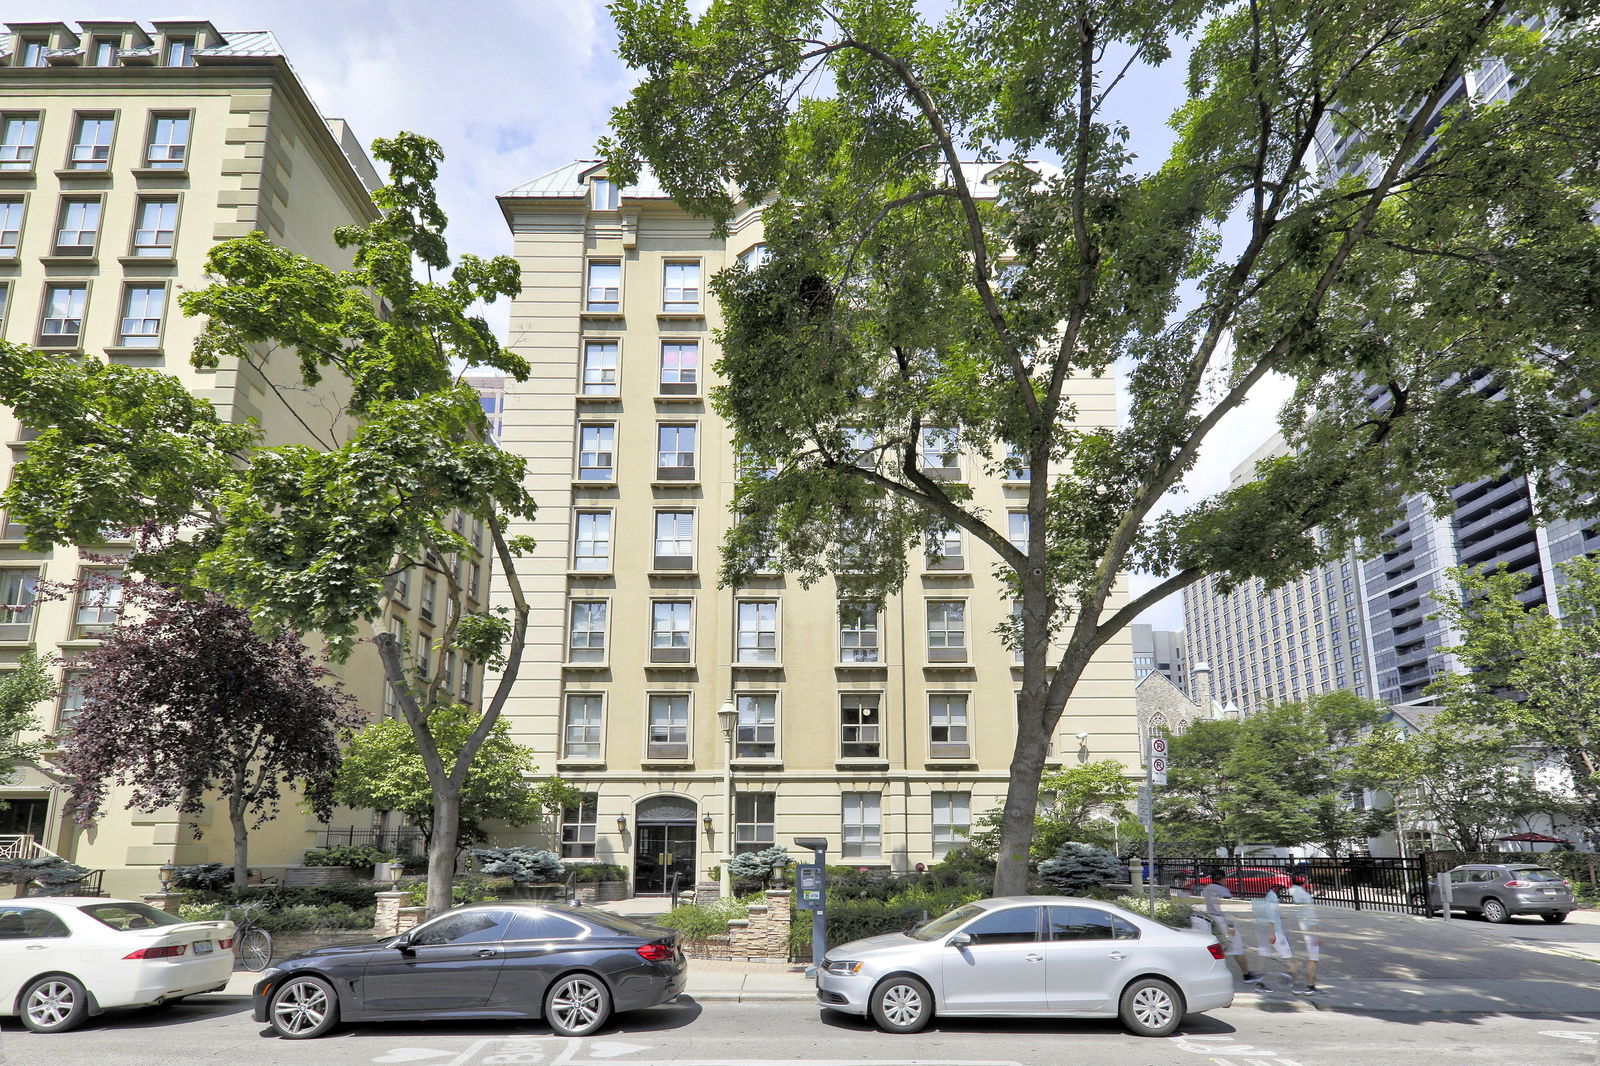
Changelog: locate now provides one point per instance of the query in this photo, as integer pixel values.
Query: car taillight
(1519, 884)
(655, 952)
(1216, 951)
(171, 951)
(225, 945)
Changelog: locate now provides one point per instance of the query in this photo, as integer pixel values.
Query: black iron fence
(406, 841)
(1360, 882)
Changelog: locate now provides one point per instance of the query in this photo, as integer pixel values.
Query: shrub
(414, 864)
(1168, 911)
(469, 888)
(758, 865)
(698, 924)
(1078, 867)
(202, 912)
(278, 896)
(355, 856)
(599, 871)
(52, 871)
(205, 876)
(522, 865)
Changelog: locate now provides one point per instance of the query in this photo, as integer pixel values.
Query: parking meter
(811, 883)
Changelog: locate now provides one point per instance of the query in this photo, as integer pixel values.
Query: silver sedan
(1029, 956)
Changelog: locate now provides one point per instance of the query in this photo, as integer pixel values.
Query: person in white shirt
(1305, 915)
(1223, 927)
(1271, 941)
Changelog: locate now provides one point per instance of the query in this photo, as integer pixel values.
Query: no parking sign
(1158, 760)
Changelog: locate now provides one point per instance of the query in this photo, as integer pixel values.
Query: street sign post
(1147, 806)
(1155, 774)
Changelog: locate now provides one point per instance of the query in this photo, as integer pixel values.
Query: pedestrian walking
(1272, 943)
(1306, 917)
(1213, 892)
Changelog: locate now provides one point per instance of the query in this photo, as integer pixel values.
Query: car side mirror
(959, 940)
(402, 943)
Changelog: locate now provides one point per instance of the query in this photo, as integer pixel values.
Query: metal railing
(403, 841)
(1360, 882)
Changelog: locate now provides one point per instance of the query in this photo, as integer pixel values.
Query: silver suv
(1499, 890)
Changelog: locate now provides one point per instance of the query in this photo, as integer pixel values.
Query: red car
(1247, 881)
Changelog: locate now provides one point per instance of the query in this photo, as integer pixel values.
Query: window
(944, 551)
(79, 226)
(62, 326)
(91, 143)
(605, 287)
(582, 740)
(591, 546)
(1017, 465)
(680, 368)
(758, 632)
(142, 306)
(466, 681)
(19, 141)
(863, 825)
(675, 452)
(1018, 925)
(669, 727)
(858, 723)
(577, 828)
(475, 926)
(424, 656)
(10, 226)
(600, 368)
(947, 631)
(30, 923)
(72, 696)
(1017, 529)
(947, 726)
(105, 51)
(952, 820)
(430, 593)
(169, 142)
(669, 631)
(1089, 923)
(757, 735)
(597, 451)
(680, 286)
(18, 589)
(858, 632)
(180, 53)
(754, 821)
(475, 590)
(938, 451)
(98, 603)
(604, 194)
(1016, 622)
(752, 257)
(156, 227)
(674, 540)
(587, 640)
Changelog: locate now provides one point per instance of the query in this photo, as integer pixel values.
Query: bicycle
(252, 945)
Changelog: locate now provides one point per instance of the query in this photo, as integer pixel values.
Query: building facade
(126, 152)
(884, 730)
(1160, 651)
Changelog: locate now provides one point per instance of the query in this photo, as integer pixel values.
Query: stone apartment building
(705, 721)
(126, 151)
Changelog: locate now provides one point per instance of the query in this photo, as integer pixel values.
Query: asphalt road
(798, 1034)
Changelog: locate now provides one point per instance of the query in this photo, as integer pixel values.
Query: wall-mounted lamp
(622, 823)
(728, 716)
(706, 820)
(1082, 737)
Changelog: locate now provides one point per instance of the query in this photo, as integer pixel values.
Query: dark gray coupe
(572, 966)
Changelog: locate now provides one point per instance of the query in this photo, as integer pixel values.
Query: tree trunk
(241, 842)
(1022, 801)
(442, 849)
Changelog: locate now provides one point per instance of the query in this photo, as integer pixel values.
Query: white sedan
(1030, 957)
(64, 958)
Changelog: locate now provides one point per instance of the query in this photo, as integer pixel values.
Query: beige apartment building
(885, 731)
(126, 151)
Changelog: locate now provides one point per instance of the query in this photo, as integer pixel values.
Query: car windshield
(1536, 873)
(947, 923)
(127, 916)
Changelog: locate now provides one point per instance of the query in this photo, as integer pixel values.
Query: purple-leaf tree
(183, 698)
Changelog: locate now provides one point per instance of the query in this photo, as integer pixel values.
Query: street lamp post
(728, 716)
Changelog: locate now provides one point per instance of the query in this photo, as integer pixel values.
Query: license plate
(202, 947)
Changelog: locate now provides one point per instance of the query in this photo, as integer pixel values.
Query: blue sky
(511, 90)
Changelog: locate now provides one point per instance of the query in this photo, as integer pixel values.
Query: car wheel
(303, 1007)
(1151, 1007)
(54, 1005)
(577, 1005)
(902, 1005)
(1495, 911)
(1555, 919)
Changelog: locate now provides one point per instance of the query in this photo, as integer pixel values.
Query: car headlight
(841, 968)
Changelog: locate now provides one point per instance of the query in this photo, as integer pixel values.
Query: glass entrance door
(663, 850)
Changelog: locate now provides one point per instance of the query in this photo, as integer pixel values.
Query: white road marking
(523, 1051)
(1569, 1034)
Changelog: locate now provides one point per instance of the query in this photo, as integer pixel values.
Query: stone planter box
(301, 876)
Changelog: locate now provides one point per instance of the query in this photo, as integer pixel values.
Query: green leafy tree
(384, 770)
(900, 293)
(1083, 803)
(1469, 783)
(1195, 805)
(21, 691)
(310, 534)
(1528, 674)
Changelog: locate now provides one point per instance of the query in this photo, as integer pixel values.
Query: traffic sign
(1158, 770)
(1158, 745)
(1147, 806)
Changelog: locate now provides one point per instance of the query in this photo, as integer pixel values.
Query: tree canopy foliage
(183, 699)
(1077, 803)
(957, 233)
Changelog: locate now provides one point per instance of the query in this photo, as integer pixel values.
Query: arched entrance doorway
(664, 844)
